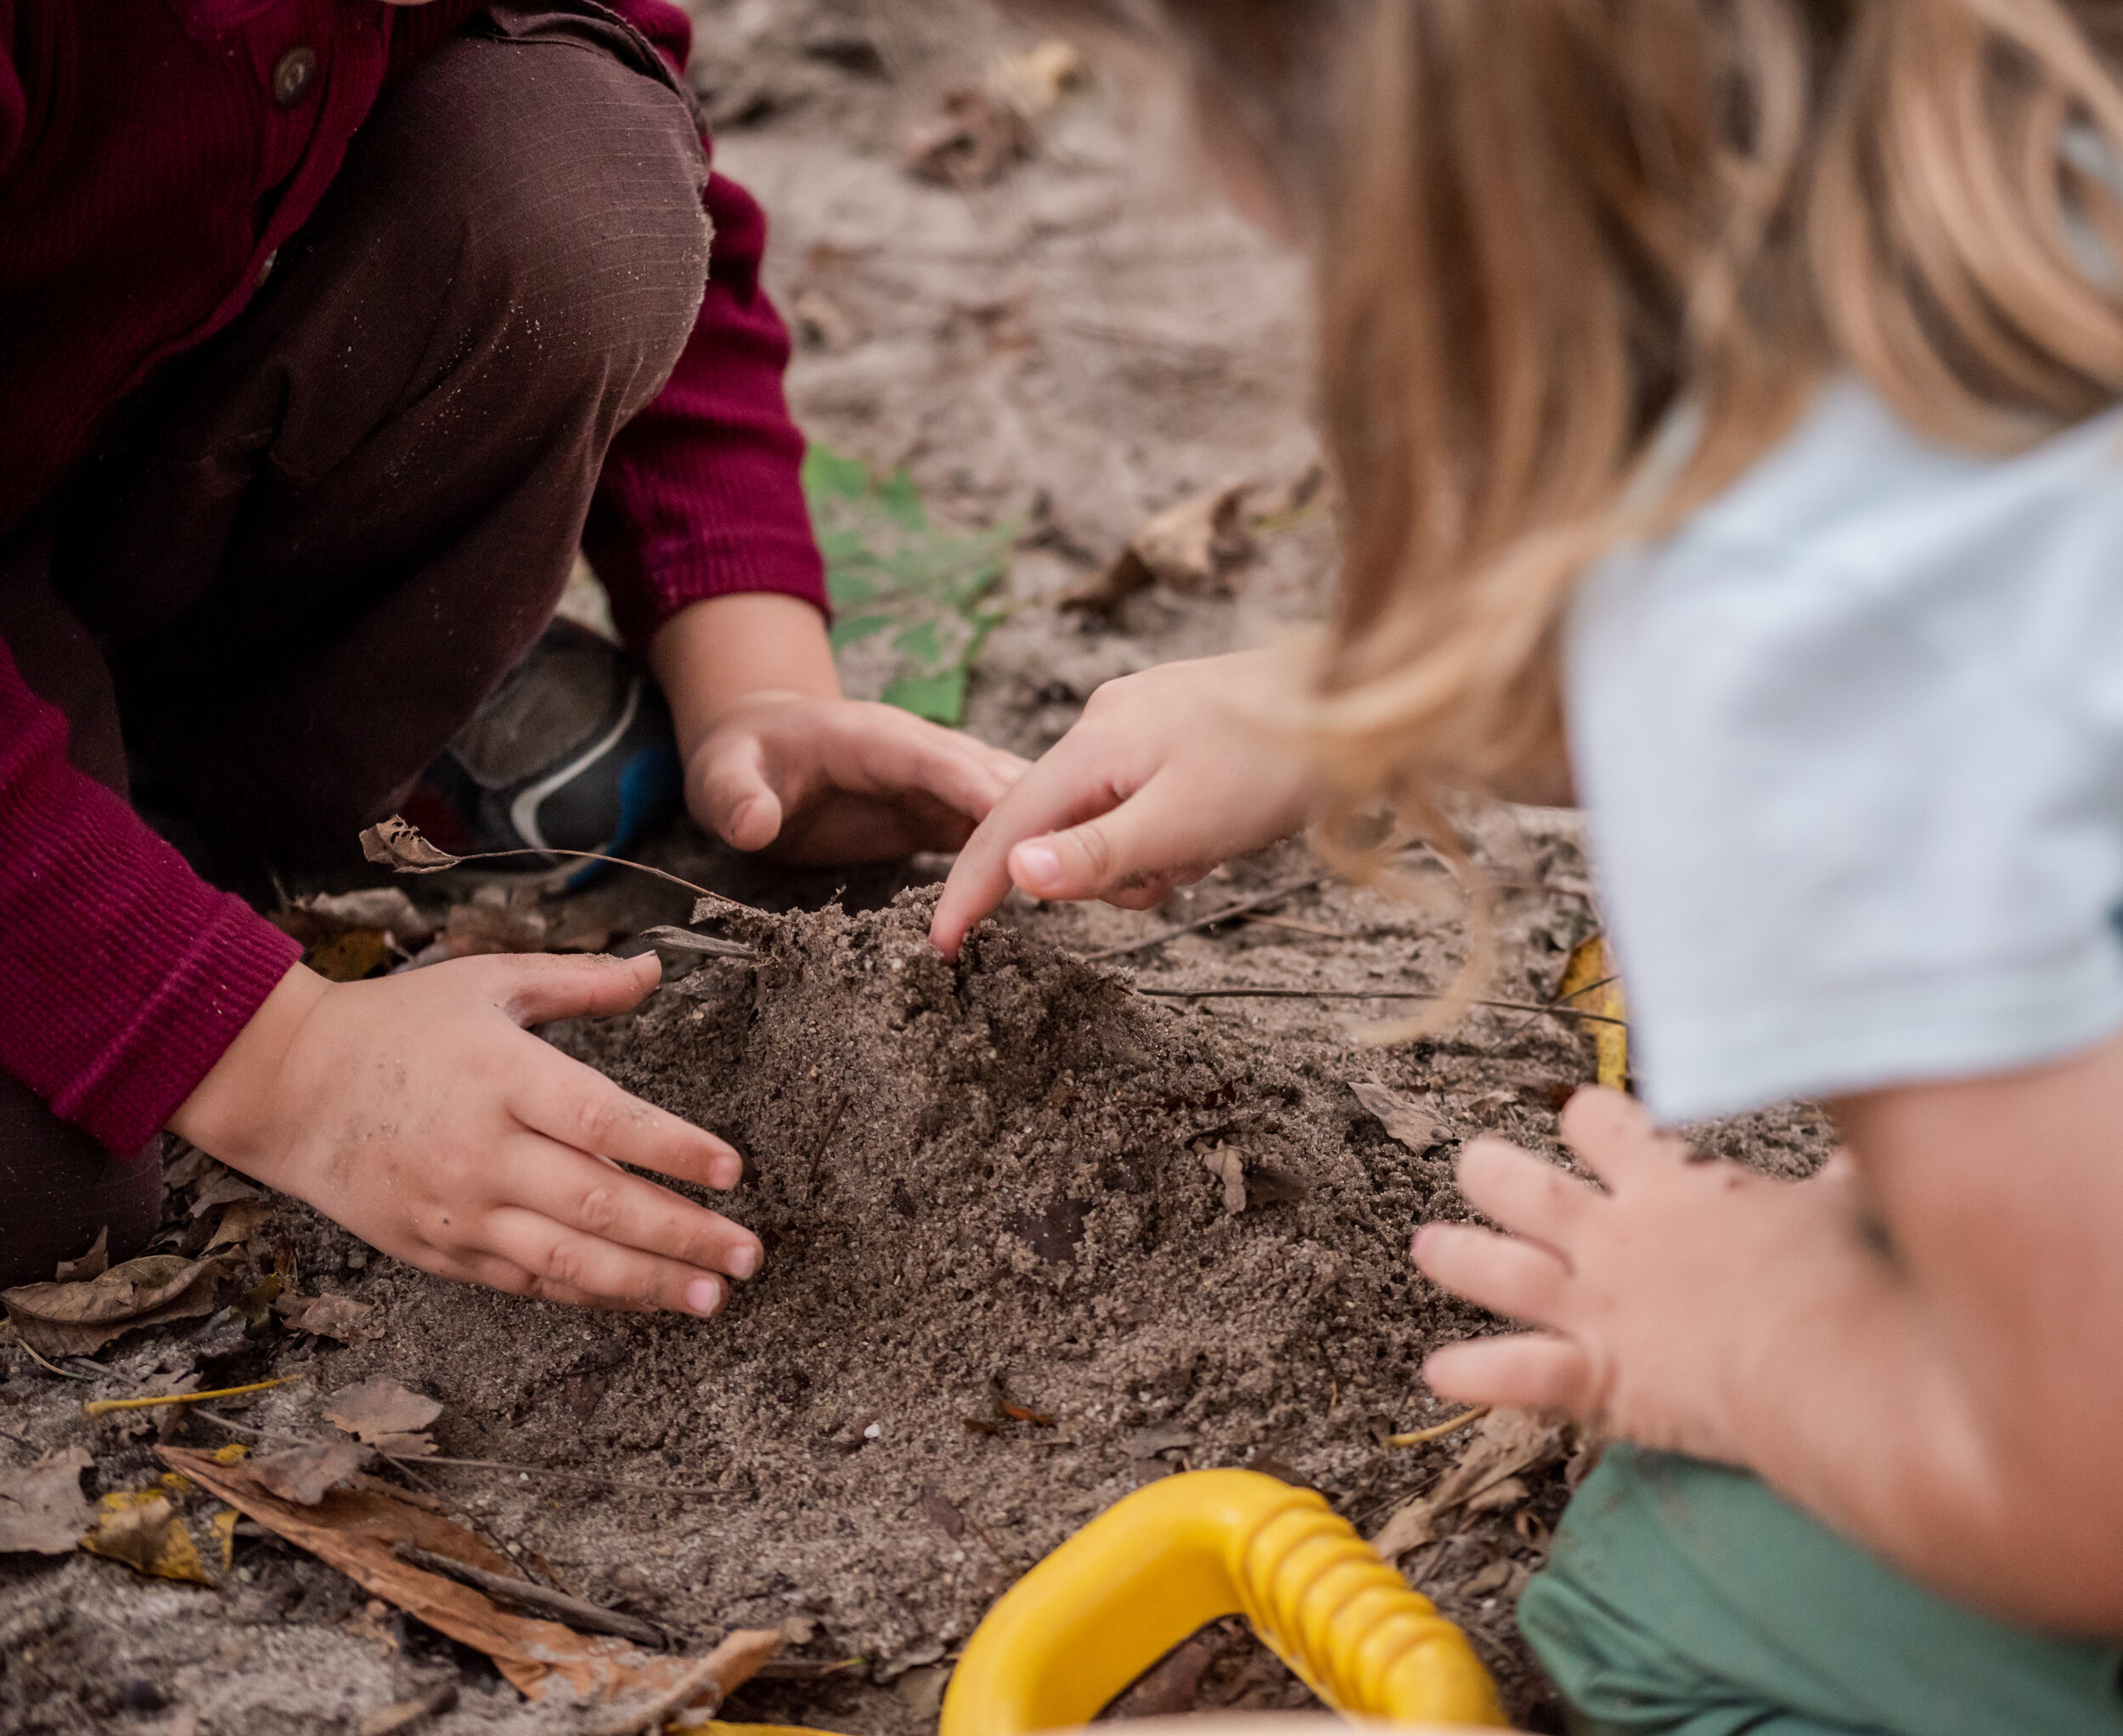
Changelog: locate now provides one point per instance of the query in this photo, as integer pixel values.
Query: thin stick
(1209, 922)
(554, 1472)
(720, 898)
(1371, 995)
(1296, 926)
(63, 1374)
(1438, 1431)
(592, 1618)
(104, 1407)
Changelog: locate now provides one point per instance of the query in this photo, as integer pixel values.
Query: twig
(1438, 1431)
(592, 1618)
(1371, 995)
(1209, 922)
(235, 1428)
(1296, 926)
(396, 844)
(1587, 987)
(554, 1472)
(104, 1407)
(63, 1374)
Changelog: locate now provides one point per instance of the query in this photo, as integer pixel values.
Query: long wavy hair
(1545, 231)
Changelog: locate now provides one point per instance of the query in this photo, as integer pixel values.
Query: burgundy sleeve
(124, 976)
(702, 493)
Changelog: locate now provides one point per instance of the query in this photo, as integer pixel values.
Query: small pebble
(873, 1431)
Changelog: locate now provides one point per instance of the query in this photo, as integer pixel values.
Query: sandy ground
(978, 1190)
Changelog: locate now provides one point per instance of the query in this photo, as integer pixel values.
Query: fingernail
(1039, 864)
(726, 1171)
(704, 1295)
(743, 1261)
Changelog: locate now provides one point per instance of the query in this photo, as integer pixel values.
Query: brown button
(293, 75)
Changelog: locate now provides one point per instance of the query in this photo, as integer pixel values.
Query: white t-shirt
(1851, 742)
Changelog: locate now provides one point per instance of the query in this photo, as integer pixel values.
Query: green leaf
(893, 570)
(919, 643)
(829, 472)
(939, 698)
(901, 502)
(853, 630)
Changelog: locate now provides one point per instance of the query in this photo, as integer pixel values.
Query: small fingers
(738, 800)
(566, 1262)
(534, 989)
(1068, 785)
(1504, 1274)
(1527, 1195)
(578, 1106)
(1528, 1370)
(1614, 1136)
(495, 1273)
(603, 1201)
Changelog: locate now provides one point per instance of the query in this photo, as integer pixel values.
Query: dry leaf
(92, 1265)
(240, 1223)
(1498, 1497)
(975, 138)
(356, 1531)
(148, 1534)
(1035, 82)
(1590, 985)
(306, 1475)
(339, 1318)
(396, 842)
(353, 956)
(379, 1405)
(42, 1511)
(1192, 547)
(821, 320)
(78, 1319)
(942, 1514)
(1228, 1166)
(387, 1721)
(1504, 1444)
(186, 1167)
(1411, 1524)
(495, 920)
(1404, 1119)
(385, 909)
(685, 941)
(222, 1525)
(225, 1189)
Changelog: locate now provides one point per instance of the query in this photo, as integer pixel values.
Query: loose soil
(1003, 1287)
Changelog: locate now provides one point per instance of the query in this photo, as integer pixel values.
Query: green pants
(1685, 1599)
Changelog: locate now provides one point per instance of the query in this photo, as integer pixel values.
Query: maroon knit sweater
(139, 140)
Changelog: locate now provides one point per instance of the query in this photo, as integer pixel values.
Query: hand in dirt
(418, 1112)
(1661, 1301)
(1167, 773)
(821, 782)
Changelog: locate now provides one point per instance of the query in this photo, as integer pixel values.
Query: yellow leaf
(224, 1526)
(141, 1529)
(230, 1454)
(1590, 985)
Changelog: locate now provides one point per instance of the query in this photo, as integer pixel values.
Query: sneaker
(572, 751)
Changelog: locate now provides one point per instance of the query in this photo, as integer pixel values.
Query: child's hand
(418, 1112)
(1166, 775)
(1661, 1299)
(833, 781)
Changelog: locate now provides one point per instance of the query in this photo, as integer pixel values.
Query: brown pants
(307, 551)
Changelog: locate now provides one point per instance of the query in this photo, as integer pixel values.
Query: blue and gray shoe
(572, 751)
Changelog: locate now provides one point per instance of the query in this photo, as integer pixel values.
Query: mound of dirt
(1002, 1286)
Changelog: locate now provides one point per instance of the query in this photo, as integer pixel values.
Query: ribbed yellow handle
(1162, 1562)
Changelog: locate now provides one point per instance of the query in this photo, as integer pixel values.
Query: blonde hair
(1542, 227)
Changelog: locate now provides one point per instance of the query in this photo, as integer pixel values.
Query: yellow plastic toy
(1173, 1556)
